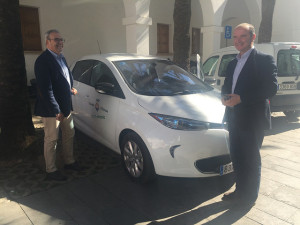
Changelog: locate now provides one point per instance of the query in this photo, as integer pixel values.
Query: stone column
(137, 34)
(211, 39)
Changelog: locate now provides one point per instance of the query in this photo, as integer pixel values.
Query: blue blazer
(256, 84)
(53, 90)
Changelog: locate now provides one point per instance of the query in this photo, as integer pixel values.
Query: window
(288, 62)
(224, 63)
(162, 38)
(210, 65)
(82, 71)
(101, 73)
(30, 28)
(104, 81)
(195, 41)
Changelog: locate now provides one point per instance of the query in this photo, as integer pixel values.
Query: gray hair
(247, 26)
(50, 32)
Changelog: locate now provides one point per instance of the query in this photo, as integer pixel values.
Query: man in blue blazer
(54, 105)
(250, 82)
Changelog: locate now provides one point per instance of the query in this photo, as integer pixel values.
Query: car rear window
(288, 62)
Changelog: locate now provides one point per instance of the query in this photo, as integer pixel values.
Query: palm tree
(265, 29)
(15, 114)
(181, 39)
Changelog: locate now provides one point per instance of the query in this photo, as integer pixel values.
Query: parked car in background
(287, 58)
(162, 119)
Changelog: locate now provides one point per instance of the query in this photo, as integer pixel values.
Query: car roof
(275, 44)
(118, 57)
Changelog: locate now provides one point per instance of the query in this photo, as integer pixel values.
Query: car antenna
(99, 47)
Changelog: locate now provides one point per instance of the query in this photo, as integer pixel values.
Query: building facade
(143, 26)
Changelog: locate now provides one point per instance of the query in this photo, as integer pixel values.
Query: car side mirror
(104, 88)
(210, 81)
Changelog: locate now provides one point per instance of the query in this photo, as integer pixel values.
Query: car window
(101, 74)
(224, 63)
(288, 62)
(83, 70)
(210, 65)
(159, 78)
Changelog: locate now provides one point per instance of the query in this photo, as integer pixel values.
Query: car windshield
(159, 78)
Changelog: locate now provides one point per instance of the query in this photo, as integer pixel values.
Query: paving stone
(261, 217)
(281, 178)
(287, 163)
(267, 186)
(275, 208)
(287, 195)
(283, 153)
(42, 209)
(281, 165)
(295, 218)
(12, 213)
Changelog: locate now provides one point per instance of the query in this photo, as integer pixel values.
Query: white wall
(82, 24)
(286, 22)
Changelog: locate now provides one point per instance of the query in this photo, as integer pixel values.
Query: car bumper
(281, 103)
(189, 153)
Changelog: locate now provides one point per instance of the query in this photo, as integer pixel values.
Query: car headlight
(179, 123)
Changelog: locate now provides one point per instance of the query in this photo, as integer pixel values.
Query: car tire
(136, 159)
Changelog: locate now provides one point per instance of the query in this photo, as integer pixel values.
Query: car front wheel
(136, 159)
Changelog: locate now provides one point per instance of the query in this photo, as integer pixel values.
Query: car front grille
(212, 165)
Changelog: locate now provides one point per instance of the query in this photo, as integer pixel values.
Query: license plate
(224, 169)
(287, 86)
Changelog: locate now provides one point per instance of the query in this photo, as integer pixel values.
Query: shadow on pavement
(110, 197)
(282, 124)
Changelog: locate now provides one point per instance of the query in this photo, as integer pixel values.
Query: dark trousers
(245, 144)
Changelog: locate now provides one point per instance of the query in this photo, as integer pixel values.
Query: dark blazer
(53, 90)
(256, 84)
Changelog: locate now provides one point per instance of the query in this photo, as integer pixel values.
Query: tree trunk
(181, 39)
(265, 29)
(15, 113)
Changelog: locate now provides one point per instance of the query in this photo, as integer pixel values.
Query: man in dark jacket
(250, 82)
(54, 89)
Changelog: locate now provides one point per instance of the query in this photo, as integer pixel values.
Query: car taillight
(293, 47)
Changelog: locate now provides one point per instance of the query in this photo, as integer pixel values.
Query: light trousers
(51, 130)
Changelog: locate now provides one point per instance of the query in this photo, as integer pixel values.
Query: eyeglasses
(57, 39)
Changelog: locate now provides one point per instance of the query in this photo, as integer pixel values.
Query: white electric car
(159, 117)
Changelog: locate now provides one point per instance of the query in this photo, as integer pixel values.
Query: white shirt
(63, 66)
(241, 60)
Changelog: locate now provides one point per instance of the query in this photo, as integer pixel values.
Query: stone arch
(212, 24)
(249, 12)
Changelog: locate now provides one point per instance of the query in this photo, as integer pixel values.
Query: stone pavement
(107, 196)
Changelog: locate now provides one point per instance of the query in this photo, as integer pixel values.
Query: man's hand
(60, 117)
(74, 91)
(231, 100)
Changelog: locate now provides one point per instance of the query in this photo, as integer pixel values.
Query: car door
(209, 69)
(104, 102)
(82, 73)
(222, 69)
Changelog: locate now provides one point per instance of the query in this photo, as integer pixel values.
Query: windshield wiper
(185, 92)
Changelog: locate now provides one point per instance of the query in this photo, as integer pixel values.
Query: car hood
(206, 107)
